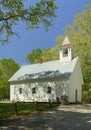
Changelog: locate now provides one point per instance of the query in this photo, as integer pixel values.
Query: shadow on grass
(50, 120)
(8, 110)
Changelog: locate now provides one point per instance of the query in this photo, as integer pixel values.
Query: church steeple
(66, 51)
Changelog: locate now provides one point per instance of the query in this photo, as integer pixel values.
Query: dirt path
(71, 117)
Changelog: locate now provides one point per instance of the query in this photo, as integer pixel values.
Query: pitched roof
(50, 69)
(66, 42)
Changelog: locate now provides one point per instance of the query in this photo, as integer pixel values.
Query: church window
(33, 90)
(49, 90)
(20, 90)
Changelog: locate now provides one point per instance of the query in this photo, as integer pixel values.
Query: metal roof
(66, 42)
(44, 70)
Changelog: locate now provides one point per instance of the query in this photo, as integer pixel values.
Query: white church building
(49, 80)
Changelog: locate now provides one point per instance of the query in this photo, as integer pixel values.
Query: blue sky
(18, 49)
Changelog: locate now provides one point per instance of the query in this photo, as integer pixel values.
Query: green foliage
(50, 54)
(34, 56)
(7, 68)
(85, 97)
(38, 55)
(14, 11)
(79, 34)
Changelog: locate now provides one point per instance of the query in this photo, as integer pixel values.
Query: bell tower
(66, 51)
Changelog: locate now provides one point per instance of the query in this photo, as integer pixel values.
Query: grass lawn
(7, 110)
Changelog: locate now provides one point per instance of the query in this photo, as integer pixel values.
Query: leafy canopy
(39, 56)
(34, 56)
(14, 11)
(79, 33)
(7, 68)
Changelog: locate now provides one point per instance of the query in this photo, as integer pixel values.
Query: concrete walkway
(71, 117)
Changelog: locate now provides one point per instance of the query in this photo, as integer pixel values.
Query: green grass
(7, 110)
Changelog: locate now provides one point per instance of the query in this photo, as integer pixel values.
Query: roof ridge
(39, 63)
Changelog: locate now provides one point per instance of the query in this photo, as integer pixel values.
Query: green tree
(85, 97)
(47, 54)
(14, 11)
(7, 68)
(79, 34)
(34, 56)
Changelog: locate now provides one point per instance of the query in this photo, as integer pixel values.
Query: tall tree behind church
(80, 35)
